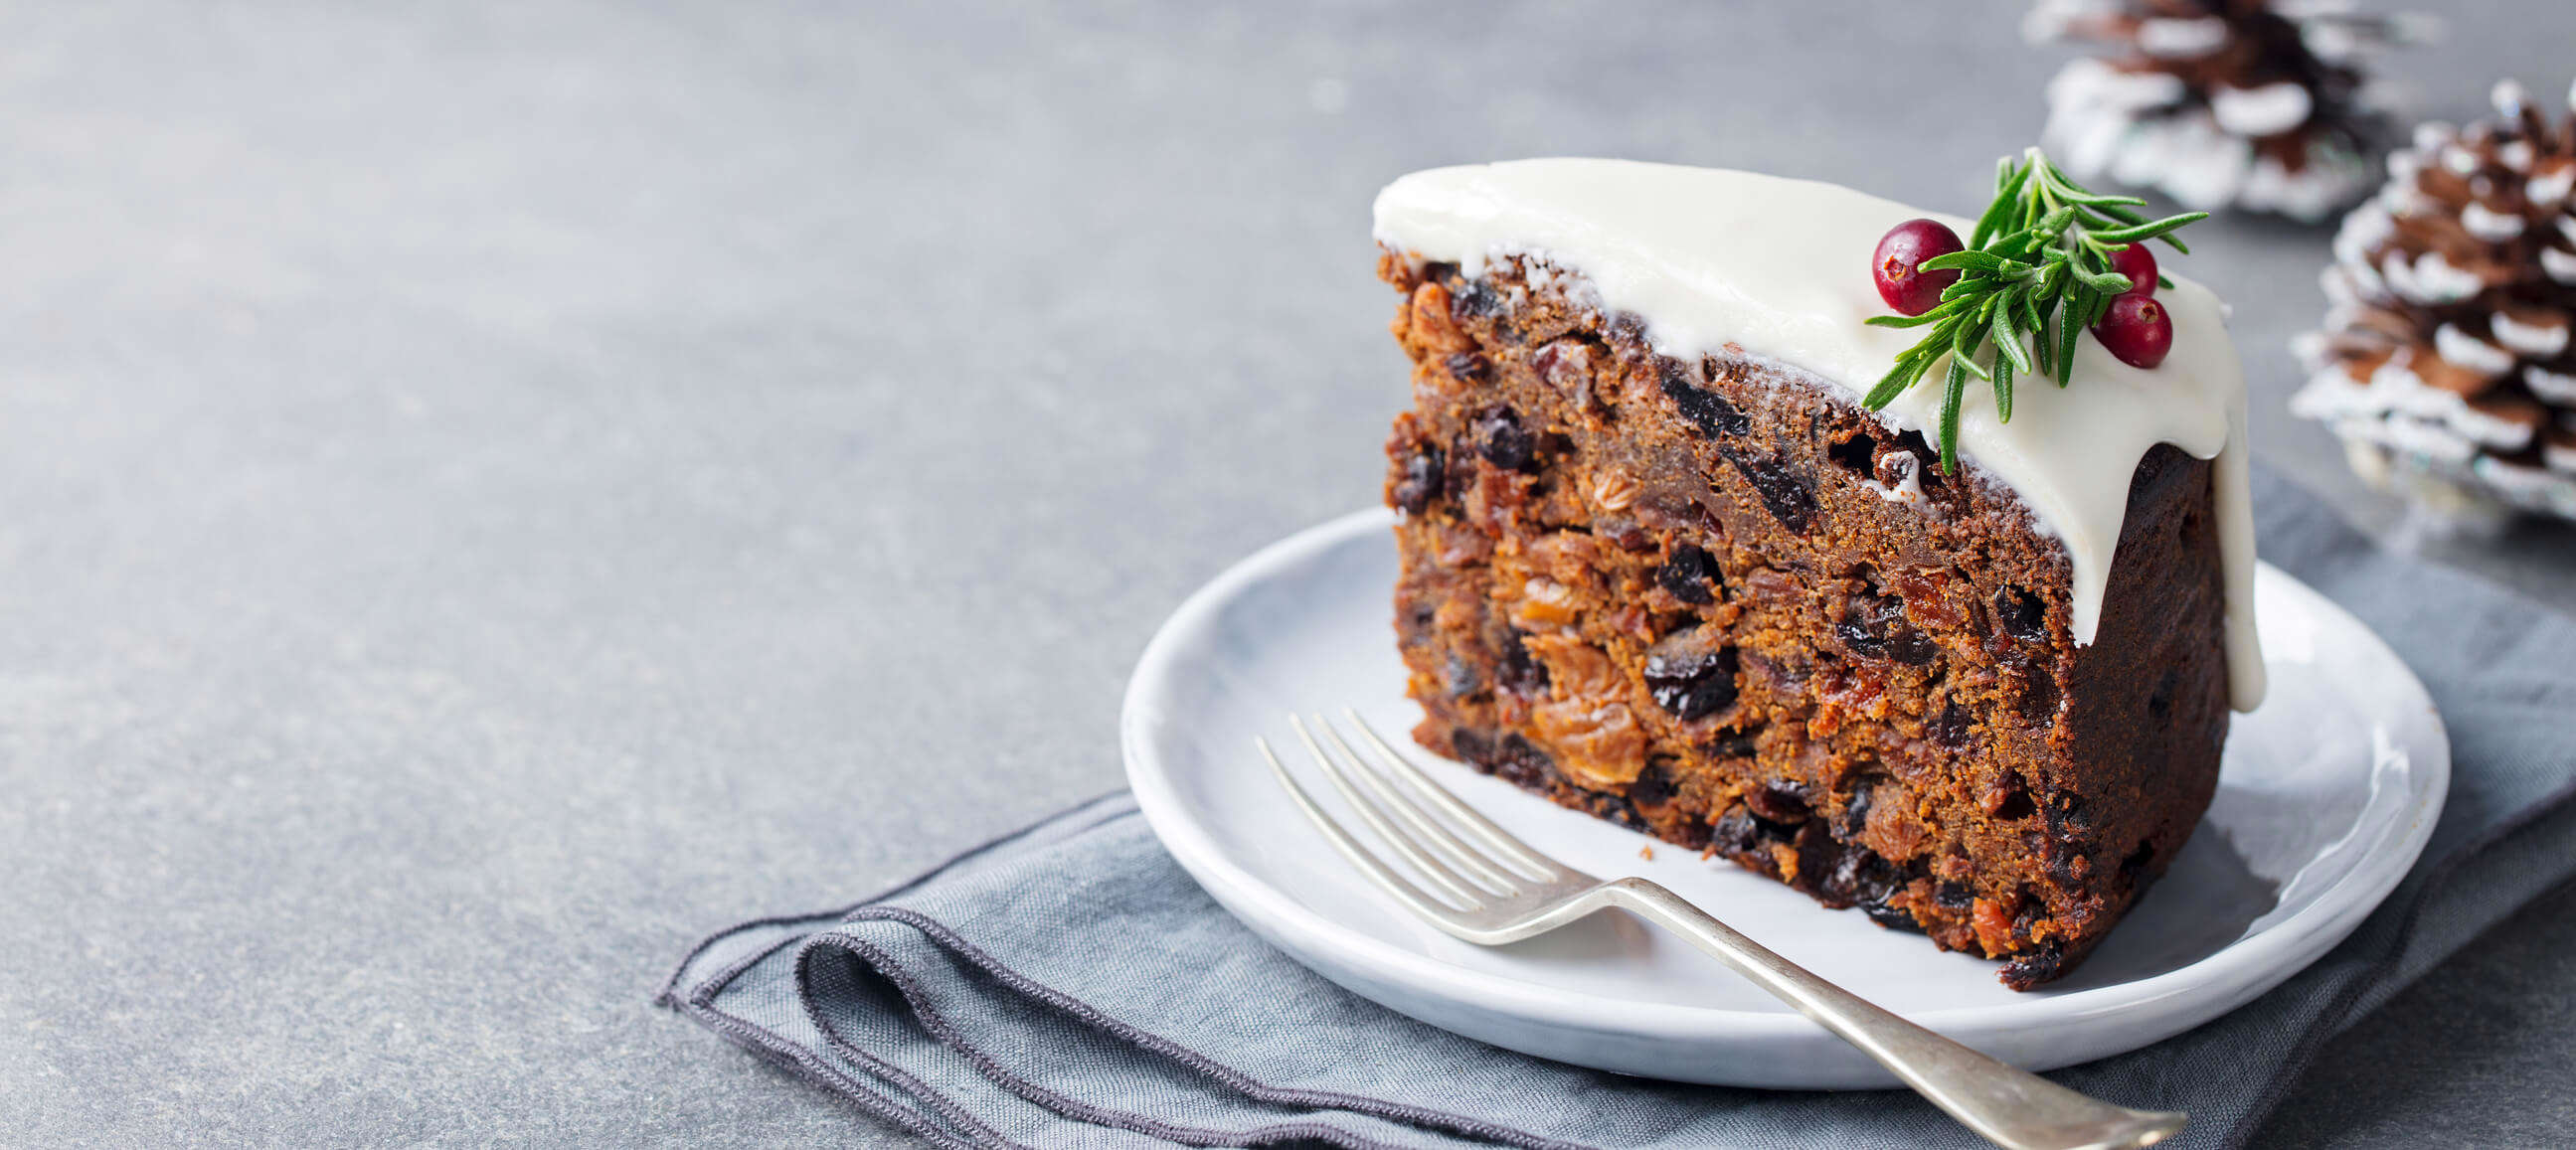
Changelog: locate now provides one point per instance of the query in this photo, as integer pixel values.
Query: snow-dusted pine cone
(2445, 363)
(2221, 103)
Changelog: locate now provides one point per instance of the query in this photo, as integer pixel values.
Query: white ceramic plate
(2326, 796)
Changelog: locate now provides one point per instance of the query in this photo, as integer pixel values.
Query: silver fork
(1503, 891)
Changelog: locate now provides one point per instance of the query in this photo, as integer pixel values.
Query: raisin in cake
(1660, 565)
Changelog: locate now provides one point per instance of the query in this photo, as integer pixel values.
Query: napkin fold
(1070, 986)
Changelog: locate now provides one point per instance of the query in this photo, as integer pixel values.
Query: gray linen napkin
(1070, 986)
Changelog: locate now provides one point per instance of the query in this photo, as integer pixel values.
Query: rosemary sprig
(2037, 269)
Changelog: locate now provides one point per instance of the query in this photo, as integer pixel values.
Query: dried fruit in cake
(1722, 599)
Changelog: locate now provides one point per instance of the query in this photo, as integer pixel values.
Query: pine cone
(2446, 353)
(2220, 103)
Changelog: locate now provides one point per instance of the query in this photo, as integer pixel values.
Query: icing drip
(1779, 268)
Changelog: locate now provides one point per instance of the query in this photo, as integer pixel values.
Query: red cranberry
(2139, 264)
(2137, 330)
(1896, 267)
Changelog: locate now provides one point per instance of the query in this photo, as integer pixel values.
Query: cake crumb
(1544, 581)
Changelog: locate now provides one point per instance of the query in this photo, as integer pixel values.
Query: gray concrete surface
(496, 491)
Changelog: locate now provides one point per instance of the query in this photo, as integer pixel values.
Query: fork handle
(2009, 1106)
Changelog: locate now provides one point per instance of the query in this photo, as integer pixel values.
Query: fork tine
(1478, 865)
(1377, 871)
(1449, 881)
(1440, 797)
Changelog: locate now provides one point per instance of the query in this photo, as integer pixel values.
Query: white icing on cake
(1780, 268)
(1909, 481)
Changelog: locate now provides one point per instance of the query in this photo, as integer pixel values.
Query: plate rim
(2247, 968)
